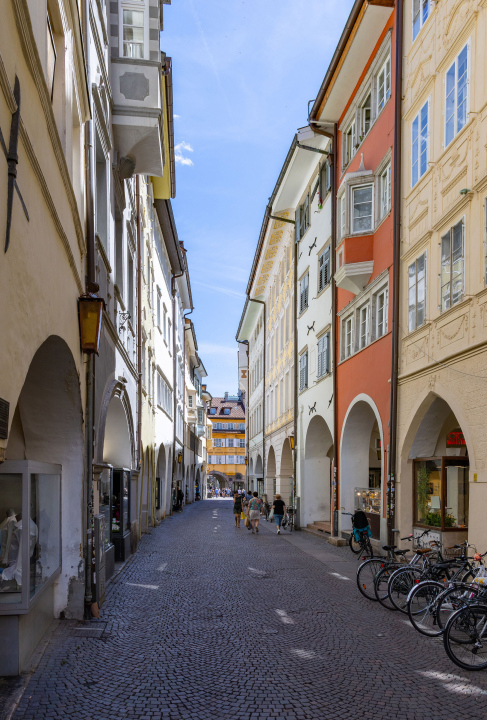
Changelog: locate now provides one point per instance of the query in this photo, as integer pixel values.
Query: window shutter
(320, 184)
(320, 357)
(327, 352)
(297, 225)
(306, 369)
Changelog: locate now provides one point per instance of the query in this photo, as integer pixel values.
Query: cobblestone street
(210, 622)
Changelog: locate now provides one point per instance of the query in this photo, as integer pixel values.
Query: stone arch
(362, 423)
(271, 472)
(436, 413)
(315, 485)
(47, 426)
(116, 428)
(286, 472)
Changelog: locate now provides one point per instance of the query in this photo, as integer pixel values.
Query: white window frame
(349, 142)
(413, 289)
(454, 66)
(354, 189)
(364, 132)
(347, 337)
(363, 325)
(385, 70)
(381, 301)
(417, 145)
(451, 303)
(422, 6)
(385, 180)
(134, 7)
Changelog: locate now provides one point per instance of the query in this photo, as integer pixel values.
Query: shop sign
(455, 438)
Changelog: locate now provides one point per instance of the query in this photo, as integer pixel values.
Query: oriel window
(133, 34)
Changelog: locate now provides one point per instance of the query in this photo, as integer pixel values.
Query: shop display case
(120, 513)
(369, 500)
(30, 532)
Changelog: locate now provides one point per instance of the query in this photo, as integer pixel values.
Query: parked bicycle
(288, 520)
(359, 540)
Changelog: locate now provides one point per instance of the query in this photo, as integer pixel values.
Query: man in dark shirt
(279, 508)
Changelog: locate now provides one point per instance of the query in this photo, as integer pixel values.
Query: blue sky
(243, 73)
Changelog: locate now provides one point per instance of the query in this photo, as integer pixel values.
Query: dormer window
(226, 411)
(212, 411)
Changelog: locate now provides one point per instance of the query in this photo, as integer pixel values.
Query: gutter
(170, 124)
(391, 470)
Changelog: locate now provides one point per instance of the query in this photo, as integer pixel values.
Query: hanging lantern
(291, 441)
(90, 312)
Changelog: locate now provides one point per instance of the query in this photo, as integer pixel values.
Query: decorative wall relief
(453, 331)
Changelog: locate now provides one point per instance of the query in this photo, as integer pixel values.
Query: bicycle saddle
(423, 551)
(389, 547)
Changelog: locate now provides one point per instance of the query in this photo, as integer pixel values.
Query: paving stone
(245, 627)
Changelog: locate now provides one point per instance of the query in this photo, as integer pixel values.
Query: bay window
(133, 34)
(362, 218)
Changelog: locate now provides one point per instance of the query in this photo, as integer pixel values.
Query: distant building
(226, 447)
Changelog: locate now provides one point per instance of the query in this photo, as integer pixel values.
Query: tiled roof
(237, 409)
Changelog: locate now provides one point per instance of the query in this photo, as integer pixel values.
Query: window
(324, 182)
(417, 292)
(303, 371)
(421, 9)
(303, 293)
(218, 442)
(201, 417)
(241, 426)
(384, 84)
(347, 337)
(381, 314)
(365, 116)
(230, 442)
(364, 317)
(385, 192)
(456, 95)
(419, 144)
(342, 215)
(324, 355)
(452, 262)
(158, 308)
(226, 411)
(51, 58)
(169, 333)
(349, 143)
(212, 411)
(324, 269)
(190, 401)
(362, 209)
(241, 443)
(133, 34)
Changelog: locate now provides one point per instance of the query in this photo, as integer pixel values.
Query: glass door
(455, 492)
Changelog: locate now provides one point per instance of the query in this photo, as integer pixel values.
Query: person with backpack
(255, 508)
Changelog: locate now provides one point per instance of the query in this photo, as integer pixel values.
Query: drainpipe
(392, 455)
(174, 383)
(264, 464)
(91, 287)
(332, 156)
(139, 345)
(184, 392)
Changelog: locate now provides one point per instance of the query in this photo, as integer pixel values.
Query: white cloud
(217, 288)
(176, 117)
(178, 153)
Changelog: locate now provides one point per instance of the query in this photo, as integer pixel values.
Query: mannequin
(6, 533)
(14, 569)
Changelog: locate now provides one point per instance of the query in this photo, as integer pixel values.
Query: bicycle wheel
(400, 585)
(452, 600)
(366, 575)
(465, 637)
(355, 546)
(367, 546)
(422, 607)
(381, 585)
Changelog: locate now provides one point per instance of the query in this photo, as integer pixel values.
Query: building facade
(442, 359)
(226, 446)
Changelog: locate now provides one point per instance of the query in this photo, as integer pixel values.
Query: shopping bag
(271, 514)
(247, 522)
(242, 516)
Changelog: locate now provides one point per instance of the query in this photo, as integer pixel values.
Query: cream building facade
(442, 453)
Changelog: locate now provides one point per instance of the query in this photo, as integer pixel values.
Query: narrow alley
(210, 622)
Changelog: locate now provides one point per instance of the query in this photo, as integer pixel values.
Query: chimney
(226, 396)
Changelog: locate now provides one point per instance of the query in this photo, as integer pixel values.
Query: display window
(368, 499)
(105, 504)
(30, 531)
(120, 518)
(441, 492)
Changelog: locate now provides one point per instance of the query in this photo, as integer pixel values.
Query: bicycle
(288, 520)
(362, 545)
(368, 571)
(465, 637)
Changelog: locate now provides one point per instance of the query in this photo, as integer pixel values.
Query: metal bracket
(312, 408)
(312, 149)
(312, 246)
(124, 316)
(281, 219)
(311, 327)
(12, 162)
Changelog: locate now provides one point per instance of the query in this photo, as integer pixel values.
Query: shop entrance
(315, 486)
(361, 466)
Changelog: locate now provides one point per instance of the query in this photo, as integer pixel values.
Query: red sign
(455, 438)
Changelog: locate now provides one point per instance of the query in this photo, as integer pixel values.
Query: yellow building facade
(442, 452)
(226, 446)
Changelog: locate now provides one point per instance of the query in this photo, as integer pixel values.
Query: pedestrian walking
(245, 502)
(237, 508)
(180, 497)
(255, 506)
(279, 508)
